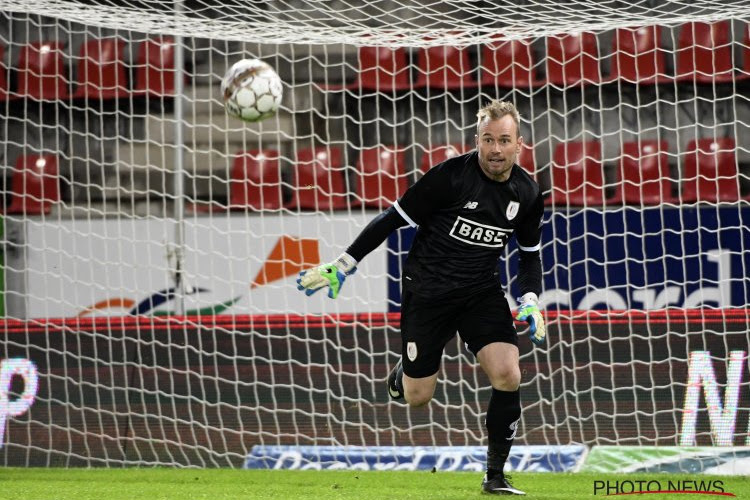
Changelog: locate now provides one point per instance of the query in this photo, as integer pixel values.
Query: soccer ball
(252, 90)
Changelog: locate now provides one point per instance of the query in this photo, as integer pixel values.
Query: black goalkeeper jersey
(465, 221)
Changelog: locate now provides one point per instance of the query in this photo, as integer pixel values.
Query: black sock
(503, 416)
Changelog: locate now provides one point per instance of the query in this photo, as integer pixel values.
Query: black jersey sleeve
(428, 194)
(529, 229)
(528, 235)
(375, 232)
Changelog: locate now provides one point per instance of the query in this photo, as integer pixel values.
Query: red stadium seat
(381, 177)
(704, 53)
(318, 180)
(637, 57)
(155, 70)
(710, 171)
(745, 73)
(381, 69)
(573, 59)
(41, 71)
(644, 174)
(509, 64)
(256, 181)
(577, 175)
(101, 69)
(439, 154)
(3, 75)
(35, 185)
(445, 67)
(526, 158)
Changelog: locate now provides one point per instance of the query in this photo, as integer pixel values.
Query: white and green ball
(251, 90)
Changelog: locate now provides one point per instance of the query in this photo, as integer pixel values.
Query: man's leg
(426, 326)
(416, 391)
(499, 360)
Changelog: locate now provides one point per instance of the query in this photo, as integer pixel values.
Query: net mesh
(131, 198)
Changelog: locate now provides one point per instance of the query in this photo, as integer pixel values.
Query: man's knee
(506, 377)
(418, 392)
(500, 363)
(415, 399)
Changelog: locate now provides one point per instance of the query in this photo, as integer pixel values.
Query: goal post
(151, 242)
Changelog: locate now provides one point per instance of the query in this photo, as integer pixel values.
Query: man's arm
(417, 203)
(530, 272)
(375, 233)
(333, 274)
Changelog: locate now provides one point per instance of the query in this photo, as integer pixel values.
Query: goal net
(151, 242)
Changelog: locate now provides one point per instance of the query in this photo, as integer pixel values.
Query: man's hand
(331, 275)
(529, 312)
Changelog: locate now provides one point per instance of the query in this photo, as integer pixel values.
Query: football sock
(503, 415)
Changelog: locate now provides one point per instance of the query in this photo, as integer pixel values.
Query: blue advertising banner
(629, 258)
(441, 458)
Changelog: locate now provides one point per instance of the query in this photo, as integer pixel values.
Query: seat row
(318, 181)
(709, 173)
(102, 72)
(704, 54)
(576, 175)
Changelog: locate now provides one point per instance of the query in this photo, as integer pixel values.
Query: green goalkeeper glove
(529, 312)
(331, 275)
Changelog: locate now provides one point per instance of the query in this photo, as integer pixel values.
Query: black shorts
(427, 324)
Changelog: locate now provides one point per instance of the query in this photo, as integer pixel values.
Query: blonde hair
(496, 109)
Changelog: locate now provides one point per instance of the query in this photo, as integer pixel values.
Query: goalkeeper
(466, 209)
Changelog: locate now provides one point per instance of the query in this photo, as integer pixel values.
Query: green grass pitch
(213, 484)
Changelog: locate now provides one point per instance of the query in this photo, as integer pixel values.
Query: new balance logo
(471, 205)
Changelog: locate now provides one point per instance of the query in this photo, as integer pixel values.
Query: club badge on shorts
(512, 210)
(411, 350)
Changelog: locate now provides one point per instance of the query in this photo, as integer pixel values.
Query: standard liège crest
(411, 350)
(512, 210)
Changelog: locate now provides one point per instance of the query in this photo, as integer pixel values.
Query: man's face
(498, 145)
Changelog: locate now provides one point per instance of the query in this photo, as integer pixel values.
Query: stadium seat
(526, 158)
(41, 71)
(444, 67)
(318, 180)
(710, 171)
(381, 178)
(704, 53)
(3, 75)
(573, 59)
(34, 185)
(381, 69)
(509, 64)
(439, 154)
(155, 70)
(744, 74)
(637, 57)
(577, 175)
(644, 174)
(256, 181)
(101, 69)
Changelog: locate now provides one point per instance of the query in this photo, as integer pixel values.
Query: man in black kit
(466, 209)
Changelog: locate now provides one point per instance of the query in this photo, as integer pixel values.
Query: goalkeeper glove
(331, 275)
(529, 312)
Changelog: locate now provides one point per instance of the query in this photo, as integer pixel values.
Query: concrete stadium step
(161, 158)
(215, 129)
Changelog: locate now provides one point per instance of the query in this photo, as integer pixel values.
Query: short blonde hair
(496, 109)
